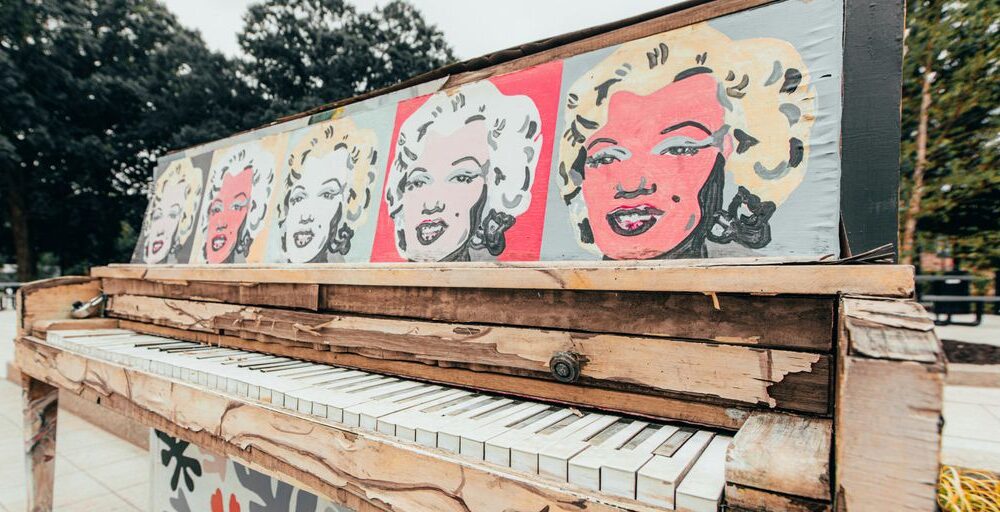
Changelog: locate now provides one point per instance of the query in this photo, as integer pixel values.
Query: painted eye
(157, 214)
(463, 178)
(681, 151)
(215, 208)
(332, 192)
(413, 185)
(602, 159)
(295, 200)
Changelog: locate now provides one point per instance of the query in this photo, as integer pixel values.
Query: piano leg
(41, 406)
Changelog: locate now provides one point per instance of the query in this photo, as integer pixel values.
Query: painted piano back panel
(718, 139)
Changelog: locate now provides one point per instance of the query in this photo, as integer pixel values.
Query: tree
(304, 53)
(91, 93)
(951, 183)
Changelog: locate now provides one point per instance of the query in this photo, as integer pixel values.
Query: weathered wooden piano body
(778, 379)
(829, 381)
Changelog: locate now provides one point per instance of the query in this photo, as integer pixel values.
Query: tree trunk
(916, 194)
(14, 197)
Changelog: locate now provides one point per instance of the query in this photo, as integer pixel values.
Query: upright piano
(579, 323)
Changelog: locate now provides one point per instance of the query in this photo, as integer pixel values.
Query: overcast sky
(508, 22)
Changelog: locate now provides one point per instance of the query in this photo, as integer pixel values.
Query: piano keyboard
(656, 464)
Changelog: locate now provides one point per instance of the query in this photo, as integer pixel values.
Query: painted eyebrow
(678, 126)
(329, 180)
(239, 196)
(601, 139)
(416, 170)
(464, 158)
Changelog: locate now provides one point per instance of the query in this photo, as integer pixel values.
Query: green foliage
(959, 42)
(304, 53)
(92, 92)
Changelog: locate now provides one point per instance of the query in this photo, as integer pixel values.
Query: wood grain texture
(41, 407)
(777, 322)
(870, 123)
(40, 327)
(711, 276)
(782, 453)
(747, 499)
(649, 406)
(50, 299)
(888, 412)
(302, 295)
(378, 469)
(640, 364)
(890, 329)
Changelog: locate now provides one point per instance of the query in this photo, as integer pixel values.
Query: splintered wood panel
(301, 295)
(51, 299)
(783, 322)
(728, 417)
(783, 453)
(329, 459)
(767, 377)
(41, 408)
(888, 434)
(748, 499)
(668, 276)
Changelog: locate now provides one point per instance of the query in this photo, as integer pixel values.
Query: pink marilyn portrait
(462, 173)
(234, 208)
(170, 218)
(328, 191)
(654, 129)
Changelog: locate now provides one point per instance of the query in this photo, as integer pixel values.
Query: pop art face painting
(654, 128)
(467, 166)
(170, 218)
(328, 192)
(236, 201)
(463, 173)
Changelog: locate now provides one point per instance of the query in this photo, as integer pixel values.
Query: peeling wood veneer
(773, 378)
(330, 459)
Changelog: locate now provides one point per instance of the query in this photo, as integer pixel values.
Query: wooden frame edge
(766, 279)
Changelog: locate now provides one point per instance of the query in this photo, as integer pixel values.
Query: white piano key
(618, 470)
(702, 488)
(365, 415)
(411, 420)
(427, 433)
(473, 441)
(450, 434)
(524, 457)
(387, 424)
(584, 461)
(497, 449)
(657, 480)
(336, 399)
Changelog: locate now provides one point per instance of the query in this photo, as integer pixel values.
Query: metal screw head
(565, 366)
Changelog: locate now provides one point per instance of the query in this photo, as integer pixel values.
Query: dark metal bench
(979, 302)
